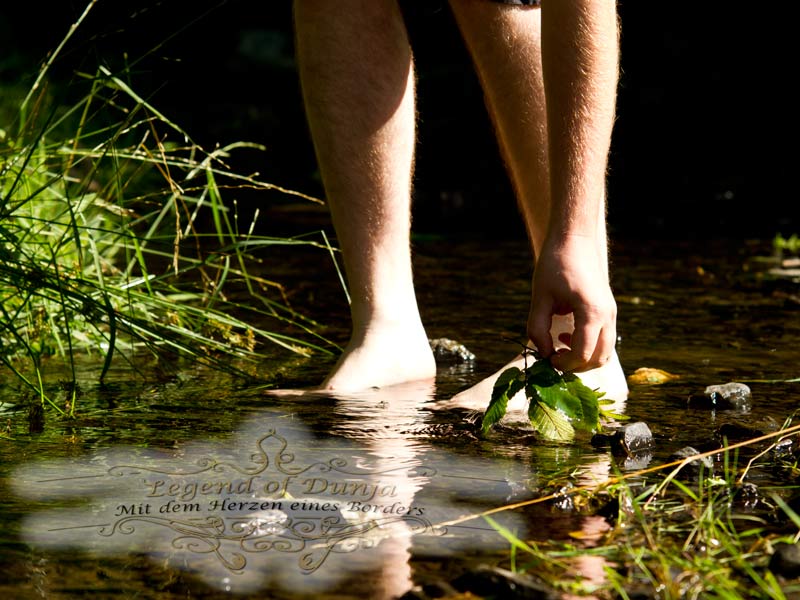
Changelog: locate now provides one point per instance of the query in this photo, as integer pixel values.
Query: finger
(539, 323)
(584, 341)
(605, 347)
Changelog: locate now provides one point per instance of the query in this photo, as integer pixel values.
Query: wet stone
(783, 448)
(786, 561)
(562, 500)
(499, 583)
(450, 351)
(747, 495)
(693, 468)
(631, 440)
(726, 396)
(636, 437)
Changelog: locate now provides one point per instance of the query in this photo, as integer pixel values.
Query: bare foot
(382, 357)
(609, 379)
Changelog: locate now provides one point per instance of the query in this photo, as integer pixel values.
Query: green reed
(672, 532)
(103, 248)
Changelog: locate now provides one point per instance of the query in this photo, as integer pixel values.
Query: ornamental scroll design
(232, 540)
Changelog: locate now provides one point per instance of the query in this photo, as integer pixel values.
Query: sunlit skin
(549, 77)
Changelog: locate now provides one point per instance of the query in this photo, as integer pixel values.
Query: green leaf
(543, 373)
(511, 381)
(589, 399)
(560, 403)
(557, 396)
(565, 393)
(547, 386)
(550, 423)
(607, 413)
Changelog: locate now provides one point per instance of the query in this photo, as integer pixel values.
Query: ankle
(405, 322)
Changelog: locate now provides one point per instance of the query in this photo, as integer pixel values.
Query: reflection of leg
(505, 43)
(384, 419)
(357, 76)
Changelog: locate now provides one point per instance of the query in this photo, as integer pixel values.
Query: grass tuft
(105, 246)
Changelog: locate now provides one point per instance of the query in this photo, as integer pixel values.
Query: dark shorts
(521, 2)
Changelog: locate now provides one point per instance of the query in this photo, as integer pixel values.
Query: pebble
(786, 561)
(631, 440)
(446, 350)
(650, 376)
(693, 468)
(726, 396)
(747, 495)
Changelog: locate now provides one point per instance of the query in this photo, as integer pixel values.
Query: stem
(43, 71)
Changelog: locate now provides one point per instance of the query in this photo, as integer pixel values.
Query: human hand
(571, 276)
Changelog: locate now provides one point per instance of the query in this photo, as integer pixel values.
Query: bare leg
(357, 75)
(505, 42)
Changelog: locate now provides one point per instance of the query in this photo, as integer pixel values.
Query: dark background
(701, 148)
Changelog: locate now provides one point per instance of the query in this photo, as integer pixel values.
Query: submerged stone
(747, 495)
(446, 350)
(786, 561)
(726, 396)
(694, 467)
(631, 440)
(35, 417)
(783, 447)
(650, 376)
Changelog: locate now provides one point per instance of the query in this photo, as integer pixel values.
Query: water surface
(180, 482)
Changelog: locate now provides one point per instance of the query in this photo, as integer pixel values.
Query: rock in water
(450, 351)
(727, 396)
(650, 376)
(786, 560)
(694, 467)
(631, 439)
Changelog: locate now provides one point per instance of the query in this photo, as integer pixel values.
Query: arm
(580, 68)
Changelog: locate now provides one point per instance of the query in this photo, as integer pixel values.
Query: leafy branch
(559, 403)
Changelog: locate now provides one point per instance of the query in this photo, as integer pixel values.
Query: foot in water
(383, 356)
(608, 378)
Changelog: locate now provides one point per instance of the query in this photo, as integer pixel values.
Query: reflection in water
(275, 506)
(421, 448)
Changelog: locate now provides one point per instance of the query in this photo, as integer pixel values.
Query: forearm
(580, 66)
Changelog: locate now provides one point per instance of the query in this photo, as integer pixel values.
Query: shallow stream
(186, 484)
